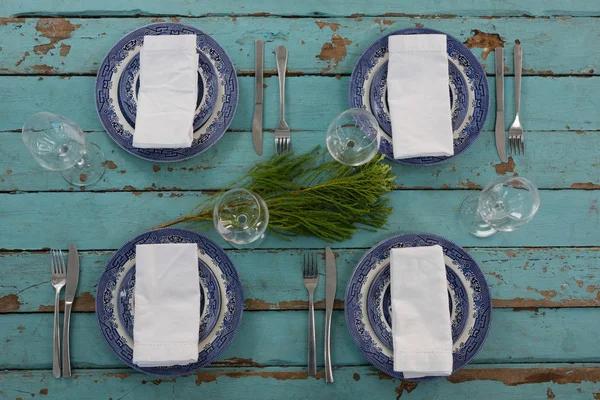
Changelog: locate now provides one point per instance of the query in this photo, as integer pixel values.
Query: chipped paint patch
(55, 30)
(83, 177)
(155, 168)
(333, 52)
(9, 303)
(548, 294)
(407, 386)
(356, 377)
(110, 164)
(209, 376)
(6, 21)
(525, 376)
(486, 41)
(504, 167)
(43, 69)
(85, 302)
(469, 184)
(261, 305)
(237, 362)
(117, 375)
(585, 185)
(64, 49)
(25, 55)
(333, 26)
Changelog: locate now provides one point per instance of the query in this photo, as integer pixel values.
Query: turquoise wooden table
(544, 278)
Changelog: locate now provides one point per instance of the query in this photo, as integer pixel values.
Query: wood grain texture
(535, 382)
(77, 46)
(279, 338)
(311, 102)
(517, 277)
(108, 220)
(549, 163)
(305, 8)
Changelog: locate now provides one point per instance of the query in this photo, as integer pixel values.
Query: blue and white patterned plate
(469, 93)
(117, 86)
(368, 303)
(221, 300)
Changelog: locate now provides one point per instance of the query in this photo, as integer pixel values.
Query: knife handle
(259, 49)
(66, 356)
(328, 369)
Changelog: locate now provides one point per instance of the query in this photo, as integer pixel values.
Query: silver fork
(59, 278)
(516, 139)
(310, 270)
(283, 140)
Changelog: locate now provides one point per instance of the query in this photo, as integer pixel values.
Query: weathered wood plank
(77, 46)
(311, 103)
(517, 277)
(310, 7)
(522, 382)
(279, 338)
(548, 162)
(107, 220)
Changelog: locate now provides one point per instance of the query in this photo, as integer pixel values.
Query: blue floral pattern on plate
(469, 93)
(367, 302)
(117, 84)
(221, 300)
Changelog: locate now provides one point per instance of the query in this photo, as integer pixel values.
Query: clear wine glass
(58, 144)
(353, 137)
(241, 217)
(505, 204)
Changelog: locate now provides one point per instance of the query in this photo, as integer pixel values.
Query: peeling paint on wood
(55, 30)
(9, 303)
(525, 376)
(486, 41)
(503, 168)
(333, 52)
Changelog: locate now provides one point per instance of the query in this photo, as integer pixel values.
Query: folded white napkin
(168, 90)
(420, 318)
(418, 96)
(167, 305)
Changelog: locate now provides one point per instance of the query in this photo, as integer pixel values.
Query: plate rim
(236, 320)
(184, 157)
(436, 237)
(404, 31)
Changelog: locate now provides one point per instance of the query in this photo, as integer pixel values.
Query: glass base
(89, 169)
(248, 246)
(471, 218)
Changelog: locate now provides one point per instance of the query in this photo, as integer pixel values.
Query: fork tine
(52, 261)
(523, 144)
(511, 141)
(63, 269)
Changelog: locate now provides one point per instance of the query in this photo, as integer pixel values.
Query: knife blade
(330, 289)
(257, 121)
(500, 131)
(72, 281)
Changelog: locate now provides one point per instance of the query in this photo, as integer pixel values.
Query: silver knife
(330, 288)
(500, 132)
(257, 122)
(72, 280)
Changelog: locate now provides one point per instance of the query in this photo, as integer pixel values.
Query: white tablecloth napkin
(418, 96)
(167, 305)
(166, 100)
(420, 317)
